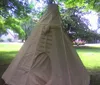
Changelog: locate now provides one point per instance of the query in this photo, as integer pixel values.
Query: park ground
(89, 54)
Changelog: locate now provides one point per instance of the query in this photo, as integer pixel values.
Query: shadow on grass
(95, 76)
(6, 57)
(5, 60)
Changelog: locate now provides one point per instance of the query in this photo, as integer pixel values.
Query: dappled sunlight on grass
(8, 52)
(10, 46)
(90, 56)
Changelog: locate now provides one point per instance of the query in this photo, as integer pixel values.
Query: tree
(19, 10)
(2, 28)
(11, 14)
(86, 4)
(15, 25)
(27, 25)
(76, 25)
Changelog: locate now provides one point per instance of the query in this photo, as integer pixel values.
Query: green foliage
(86, 4)
(1, 23)
(76, 26)
(93, 5)
(31, 5)
(2, 26)
(27, 25)
(74, 3)
(19, 8)
(11, 14)
(15, 25)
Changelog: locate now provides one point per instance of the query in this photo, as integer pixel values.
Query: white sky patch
(93, 19)
(38, 4)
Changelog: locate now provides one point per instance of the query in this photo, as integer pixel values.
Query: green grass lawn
(8, 52)
(90, 56)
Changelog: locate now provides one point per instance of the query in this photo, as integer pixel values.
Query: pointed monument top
(51, 16)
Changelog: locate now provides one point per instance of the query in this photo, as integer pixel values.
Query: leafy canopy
(14, 12)
(87, 4)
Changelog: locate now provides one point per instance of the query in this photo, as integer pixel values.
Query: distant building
(10, 36)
